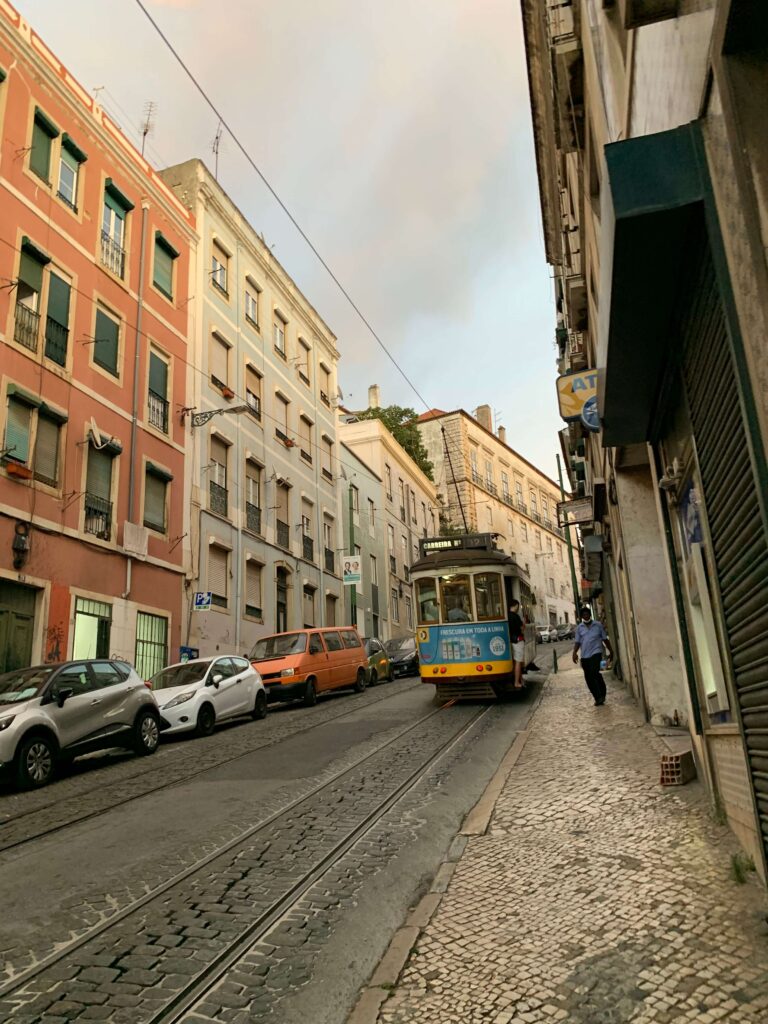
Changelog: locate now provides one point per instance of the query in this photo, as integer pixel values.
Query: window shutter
(253, 585)
(252, 484)
(219, 456)
(105, 347)
(219, 360)
(163, 272)
(158, 375)
(154, 502)
(217, 570)
(31, 272)
(98, 479)
(17, 430)
(58, 300)
(47, 450)
(40, 156)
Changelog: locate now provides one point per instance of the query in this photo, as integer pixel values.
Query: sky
(399, 137)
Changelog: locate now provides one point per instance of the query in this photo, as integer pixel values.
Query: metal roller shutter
(98, 480)
(219, 360)
(218, 576)
(739, 540)
(47, 451)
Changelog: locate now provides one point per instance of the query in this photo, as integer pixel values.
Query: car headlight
(5, 722)
(288, 672)
(182, 698)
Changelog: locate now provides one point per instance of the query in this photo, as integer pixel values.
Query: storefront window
(488, 599)
(456, 598)
(428, 610)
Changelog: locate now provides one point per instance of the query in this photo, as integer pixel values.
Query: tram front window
(488, 596)
(427, 597)
(456, 598)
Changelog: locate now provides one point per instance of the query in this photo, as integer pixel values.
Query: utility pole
(576, 602)
(352, 587)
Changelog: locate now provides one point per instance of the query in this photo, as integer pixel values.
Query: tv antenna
(215, 149)
(148, 124)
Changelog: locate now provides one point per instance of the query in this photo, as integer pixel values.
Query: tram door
(509, 593)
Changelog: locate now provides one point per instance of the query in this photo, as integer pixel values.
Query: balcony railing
(27, 326)
(157, 410)
(219, 499)
(98, 516)
(476, 478)
(283, 534)
(491, 488)
(393, 565)
(252, 517)
(112, 255)
(330, 561)
(56, 337)
(507, 499)
(308, 548)
(522, 506)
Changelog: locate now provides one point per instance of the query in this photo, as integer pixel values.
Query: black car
(403, 656)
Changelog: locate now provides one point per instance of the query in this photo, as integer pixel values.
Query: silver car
(52, 713)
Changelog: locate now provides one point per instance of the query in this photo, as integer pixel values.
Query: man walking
(517, 640)
(590, 638)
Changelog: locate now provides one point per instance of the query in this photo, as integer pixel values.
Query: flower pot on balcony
(288, 442)
(228, 392)
(19, 471)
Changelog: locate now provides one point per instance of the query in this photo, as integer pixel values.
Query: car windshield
(180, 675)
(24, 684)
(400, 645)
(279, 645)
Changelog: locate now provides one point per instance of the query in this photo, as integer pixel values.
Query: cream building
(500, 492)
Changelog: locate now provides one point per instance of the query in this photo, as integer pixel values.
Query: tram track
(27, 984)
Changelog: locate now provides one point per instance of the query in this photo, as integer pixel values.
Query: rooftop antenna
(148, 124)
(215, 149)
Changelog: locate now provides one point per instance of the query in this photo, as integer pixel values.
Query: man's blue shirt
(590, 637)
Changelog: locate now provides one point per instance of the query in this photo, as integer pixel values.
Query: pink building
(94, 313)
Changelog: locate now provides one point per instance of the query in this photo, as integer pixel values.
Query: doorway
(17, 625)
(281, 601)
(93, 628)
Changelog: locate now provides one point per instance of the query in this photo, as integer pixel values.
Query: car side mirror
(63, 694)
(217, 679)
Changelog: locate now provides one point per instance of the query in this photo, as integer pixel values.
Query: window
(330, 611)
(560, 552)
(252, 496)
(307, 532)
(401, 496)
(388, 480)
(278, 334)
(57, 319)
(304, 364)
(157, 391)
(156, 482)
(29, 287)
(328, 546)
(281, 416)
(326, 451)
(252, 302)
(519, 494)
(424, 516)
(108, 673)
(219, 362)
(316, 644)
(374, 571)
(488, 599)
(537, 539)
(350, 638)
(218, 575)
(511, 527)
(390, 537)
(30, 428)
(473, 464)
(70, 159)
(219, 269)
(305, 438)
(282, 517)
(44, 131)
(355, 493)
(488, 474)
(394, 596)
(333, 641)
(93, 626)
(162, 272)
(325, 385)
(413, 507)
(309, 606)
(217, 477)
(426, 597)
(409, 612)
(551, 586)
(549, 543)
(504, 484)
(98, 491)
(253, 392)
(47, 450)
(545, 508)
(18, 429)
(489, 517)
(106, 345)
(252, 589)
(151, 644)
(371, 517)
(534, 504)
(116, 209)
(524, 531)
(456, 598)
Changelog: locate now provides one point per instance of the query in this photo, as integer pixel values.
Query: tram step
(466, 691)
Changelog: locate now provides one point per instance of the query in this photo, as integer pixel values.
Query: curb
(385, 977)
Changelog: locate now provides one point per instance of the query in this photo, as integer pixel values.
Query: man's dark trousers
(595, 681)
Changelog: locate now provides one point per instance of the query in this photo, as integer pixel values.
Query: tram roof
(463, 559)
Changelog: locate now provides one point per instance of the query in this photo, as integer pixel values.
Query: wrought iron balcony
(112, 255)
(98, 516)
(308, 548)
(522, 506)
(283, 535)
(26, 327)
(157, 409)
(330, 560)
(476, 478)
(491, 487)
(56, 336)
(219, 499)
(252, 517)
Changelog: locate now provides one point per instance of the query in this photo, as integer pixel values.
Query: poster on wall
(352, 570)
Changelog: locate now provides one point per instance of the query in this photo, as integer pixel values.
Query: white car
(194, 696)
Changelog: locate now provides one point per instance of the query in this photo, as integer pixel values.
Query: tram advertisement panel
(474, 641)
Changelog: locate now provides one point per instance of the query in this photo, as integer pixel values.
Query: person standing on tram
(517, 640)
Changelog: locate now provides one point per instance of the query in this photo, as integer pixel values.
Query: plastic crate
(677, 769)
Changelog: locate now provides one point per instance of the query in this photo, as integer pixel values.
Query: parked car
(379, 666)
(565, 631)
(546, 634)
(196, 695)
(403, 656)
(53, 713)
(305, 662)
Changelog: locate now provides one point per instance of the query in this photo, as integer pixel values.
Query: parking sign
(202, 601)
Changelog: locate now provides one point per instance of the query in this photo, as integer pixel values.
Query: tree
(401, 423)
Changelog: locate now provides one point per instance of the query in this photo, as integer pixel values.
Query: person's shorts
(518, 651)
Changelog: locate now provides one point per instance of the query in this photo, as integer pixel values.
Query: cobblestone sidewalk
(595, 897)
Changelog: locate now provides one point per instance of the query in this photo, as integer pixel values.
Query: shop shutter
(218, 576)
(219, 360)
(739, 539)
(98, 480)
(105, 347)
(17, 430)
(154, 502)
(47, 450)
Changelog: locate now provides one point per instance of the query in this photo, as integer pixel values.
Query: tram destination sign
(579, 510)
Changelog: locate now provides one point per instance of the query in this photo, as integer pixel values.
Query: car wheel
(259, 706)
(360, 682)
(310, 694)
(146, 732)
(206, 721)
(390, 674)
(373, 678)
(35, 762)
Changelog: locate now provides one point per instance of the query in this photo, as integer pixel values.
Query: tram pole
(576, 603)
(352, 588)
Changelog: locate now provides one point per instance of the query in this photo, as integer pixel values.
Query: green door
(17, 624)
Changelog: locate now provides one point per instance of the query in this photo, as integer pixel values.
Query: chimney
(483, 417)
(374, 399)
(503, 435)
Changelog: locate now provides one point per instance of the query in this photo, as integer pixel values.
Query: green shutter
(70, 146)
(58, 300)
(105, 348)
(31, 272)
(98, 480)
(47, 451)
(17, 430)
(162, 277)
(158, 375)
(115, 199)
(154, 501)
(40, 154)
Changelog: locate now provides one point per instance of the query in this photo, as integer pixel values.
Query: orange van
(300, 664)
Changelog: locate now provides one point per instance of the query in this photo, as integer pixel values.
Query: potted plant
(18, 469)
(227, 392)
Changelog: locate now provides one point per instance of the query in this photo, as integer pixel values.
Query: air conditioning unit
(135, 539)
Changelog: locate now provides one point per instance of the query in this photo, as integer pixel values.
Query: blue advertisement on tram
(472, 641)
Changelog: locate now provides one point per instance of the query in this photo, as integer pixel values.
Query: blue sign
(202, 601)
(188, 653)
(475, 641)
(589, 416)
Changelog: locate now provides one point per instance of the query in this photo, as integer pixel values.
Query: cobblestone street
(595, 896)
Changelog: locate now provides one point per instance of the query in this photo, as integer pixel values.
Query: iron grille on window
(324, 399)
(254, 404)
(306, 456)
(253, 517)
(281, 435)
(252, 611)
(26, 327)
(157, 407)
(219, 496)
(330, 565)
(308, 547)
(327, 473)
(522, 506)
(98, 516)
(56, 341)
(151, 644)
(112, 255)
(283, 534)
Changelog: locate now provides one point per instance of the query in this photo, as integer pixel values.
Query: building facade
(658, 245)
(265, 535)
(487, 487)
(94, 268)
